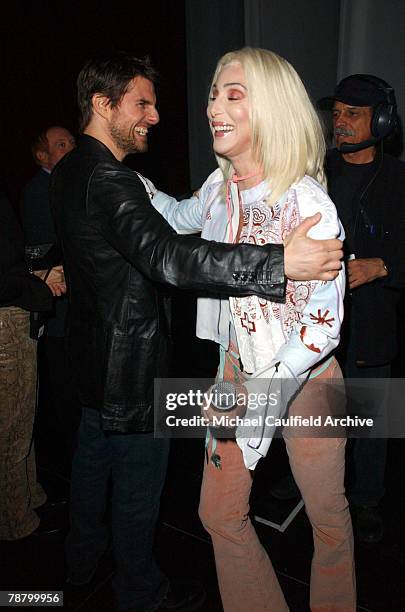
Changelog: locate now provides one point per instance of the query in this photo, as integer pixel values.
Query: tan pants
(246, 577)
(19, 491)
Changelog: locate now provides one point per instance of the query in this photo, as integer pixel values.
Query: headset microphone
(348, 147)
(366, 90)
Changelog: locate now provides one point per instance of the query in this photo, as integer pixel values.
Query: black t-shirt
(346, 189)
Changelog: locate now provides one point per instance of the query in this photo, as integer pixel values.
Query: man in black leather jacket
(115, 248)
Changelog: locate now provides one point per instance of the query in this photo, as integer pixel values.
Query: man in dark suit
(58, 401)
(47, 149)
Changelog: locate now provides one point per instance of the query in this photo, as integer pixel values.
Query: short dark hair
(109, 73)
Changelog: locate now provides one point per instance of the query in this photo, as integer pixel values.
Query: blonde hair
(287, 136)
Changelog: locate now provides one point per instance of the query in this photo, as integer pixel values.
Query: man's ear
(101, 105)
(42, 158)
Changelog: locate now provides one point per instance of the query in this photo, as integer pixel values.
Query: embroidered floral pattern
(278, 326)
(321, 319)
(248, 325)
(311, 345)
(263, 224)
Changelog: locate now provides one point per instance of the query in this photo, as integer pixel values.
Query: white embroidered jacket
(305, 329)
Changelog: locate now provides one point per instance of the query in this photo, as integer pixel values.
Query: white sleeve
(184, 216)
(318, 331)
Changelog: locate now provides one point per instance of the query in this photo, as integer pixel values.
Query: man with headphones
(368, 188)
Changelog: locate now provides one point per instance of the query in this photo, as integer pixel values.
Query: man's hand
(362, 271)
(56, 281)
(309, 259)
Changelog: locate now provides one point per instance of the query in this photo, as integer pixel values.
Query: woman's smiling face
(229, 116)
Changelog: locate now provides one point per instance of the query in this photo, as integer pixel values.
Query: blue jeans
(137, 465)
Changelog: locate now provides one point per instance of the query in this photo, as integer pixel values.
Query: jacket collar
(95, 147)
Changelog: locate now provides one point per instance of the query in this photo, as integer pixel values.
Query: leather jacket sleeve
(121, 210)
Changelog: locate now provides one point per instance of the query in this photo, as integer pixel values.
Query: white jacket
(299, 333)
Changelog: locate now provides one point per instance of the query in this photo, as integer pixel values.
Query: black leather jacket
(116, 249)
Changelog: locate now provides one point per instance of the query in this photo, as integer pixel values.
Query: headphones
(385, 113)
(384, 117)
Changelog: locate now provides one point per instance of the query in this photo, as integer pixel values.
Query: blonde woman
(270, 150)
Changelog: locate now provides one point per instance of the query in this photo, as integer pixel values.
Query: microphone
(224, 396)
(348, 147)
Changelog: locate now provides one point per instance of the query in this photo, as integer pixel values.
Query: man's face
(135, 114)
(351, 124)
(60, 142)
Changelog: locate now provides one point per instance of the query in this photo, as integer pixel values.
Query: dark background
(43, 47)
